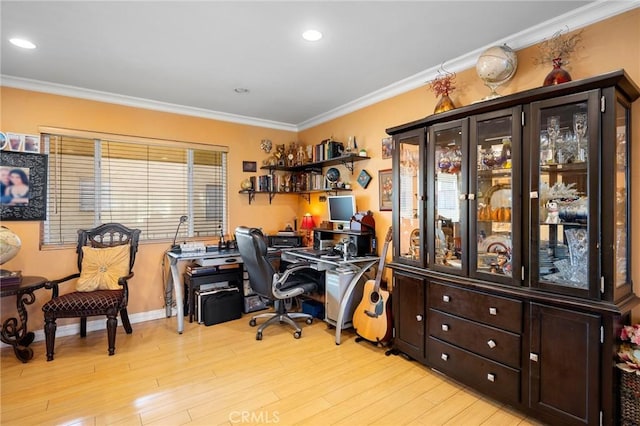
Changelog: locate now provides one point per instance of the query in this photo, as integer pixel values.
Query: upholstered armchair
(106, 255)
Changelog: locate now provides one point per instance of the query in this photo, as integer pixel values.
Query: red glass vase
(557, 75)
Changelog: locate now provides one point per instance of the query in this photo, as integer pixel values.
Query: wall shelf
(304, 194)
(345, 160)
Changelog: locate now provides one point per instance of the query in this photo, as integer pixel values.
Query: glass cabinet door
(616, 218)
(447, 193)
(494, 211)
(564, 217)
(408, 193)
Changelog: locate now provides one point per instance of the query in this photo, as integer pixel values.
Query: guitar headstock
(389, 234)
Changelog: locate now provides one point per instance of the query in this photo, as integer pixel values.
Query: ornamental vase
(557, 75)
(444, 104)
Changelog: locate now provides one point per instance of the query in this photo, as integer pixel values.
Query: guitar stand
(378, 344)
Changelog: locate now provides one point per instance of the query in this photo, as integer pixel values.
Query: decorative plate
(364, 178)
(494, 244)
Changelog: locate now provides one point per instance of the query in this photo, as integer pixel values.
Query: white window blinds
(141, 185)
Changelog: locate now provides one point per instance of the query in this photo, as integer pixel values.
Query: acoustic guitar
(372, 317)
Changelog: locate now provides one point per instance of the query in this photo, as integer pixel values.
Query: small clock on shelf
(364, 178)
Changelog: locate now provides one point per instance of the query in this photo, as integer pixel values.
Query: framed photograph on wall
(387, 147)
(249, 166)
(385, 180)
(23, 189)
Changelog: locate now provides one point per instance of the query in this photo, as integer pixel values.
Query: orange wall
(608, 45)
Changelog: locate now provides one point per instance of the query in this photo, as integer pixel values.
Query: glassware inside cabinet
(409, 224)
(448, 188)
(494, 195)
(563, 250)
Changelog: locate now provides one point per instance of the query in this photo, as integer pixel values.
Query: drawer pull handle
(446, 298)
(493, 311)
(444, 357)
(445, 327)
(491, 377)
(491, 344)
(533, 357)
(419, 317)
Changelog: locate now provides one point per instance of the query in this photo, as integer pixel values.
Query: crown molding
(582, 17)
(112, 98)
(579, 18)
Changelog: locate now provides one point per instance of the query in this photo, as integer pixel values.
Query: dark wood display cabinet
(512, 237)
(302, 180)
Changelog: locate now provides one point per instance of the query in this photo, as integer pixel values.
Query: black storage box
(219, 305)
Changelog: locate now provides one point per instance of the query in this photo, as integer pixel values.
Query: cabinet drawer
(487, 376)
(493, 343)
(492, 310)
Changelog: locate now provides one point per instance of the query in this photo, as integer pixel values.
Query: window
(140, 183)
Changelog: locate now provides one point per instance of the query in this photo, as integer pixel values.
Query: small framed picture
(31, 143)
(16, 141)
(249, 166)
(364, 178)
(386, 189)
(4, 142)
(387, 147)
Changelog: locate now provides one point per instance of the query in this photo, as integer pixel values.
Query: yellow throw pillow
(101, 268)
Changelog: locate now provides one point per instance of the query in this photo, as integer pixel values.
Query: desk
(174, 283)
(15, 332)
(360, 265)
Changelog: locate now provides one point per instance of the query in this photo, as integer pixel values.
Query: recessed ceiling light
(20, 42)
(241, 90)
(312, 35)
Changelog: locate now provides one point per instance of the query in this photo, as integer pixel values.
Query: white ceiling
(188, 57)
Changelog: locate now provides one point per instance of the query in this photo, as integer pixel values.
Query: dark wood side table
(14, 331)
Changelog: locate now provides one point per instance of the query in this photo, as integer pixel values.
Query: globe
(333, 175)
(496, 66)
(9, 244)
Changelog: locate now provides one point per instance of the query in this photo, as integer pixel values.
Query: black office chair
(277, 286)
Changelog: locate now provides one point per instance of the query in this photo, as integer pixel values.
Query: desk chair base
(287, 317)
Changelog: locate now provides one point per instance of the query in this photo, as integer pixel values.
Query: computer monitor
(341, 209)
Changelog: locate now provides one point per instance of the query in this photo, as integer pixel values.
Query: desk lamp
(307, 224)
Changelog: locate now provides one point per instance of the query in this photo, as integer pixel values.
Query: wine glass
(580, 130)
(553, 131)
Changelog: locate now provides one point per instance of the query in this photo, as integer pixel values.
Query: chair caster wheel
(258, 336)
(252, 323)
(297, 334)
(309, 320)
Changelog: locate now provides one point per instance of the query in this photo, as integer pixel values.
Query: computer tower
(336, 283)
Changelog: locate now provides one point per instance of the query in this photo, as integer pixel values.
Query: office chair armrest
(290, 270)
(53, 285)
(280, 279)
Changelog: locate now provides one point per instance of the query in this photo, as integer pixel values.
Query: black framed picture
(249, 166)
(23, 186)
(364, 178)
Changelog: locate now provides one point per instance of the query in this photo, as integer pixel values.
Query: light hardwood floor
(222, 375)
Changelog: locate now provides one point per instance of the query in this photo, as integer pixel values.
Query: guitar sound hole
(375, 297)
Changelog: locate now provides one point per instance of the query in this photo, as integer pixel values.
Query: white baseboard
(100, 323)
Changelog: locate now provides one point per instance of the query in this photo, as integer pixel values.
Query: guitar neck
(383, 257)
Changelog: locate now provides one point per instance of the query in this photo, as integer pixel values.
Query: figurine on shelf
(553, 215)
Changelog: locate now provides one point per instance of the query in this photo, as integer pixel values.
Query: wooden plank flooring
(220, 375)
